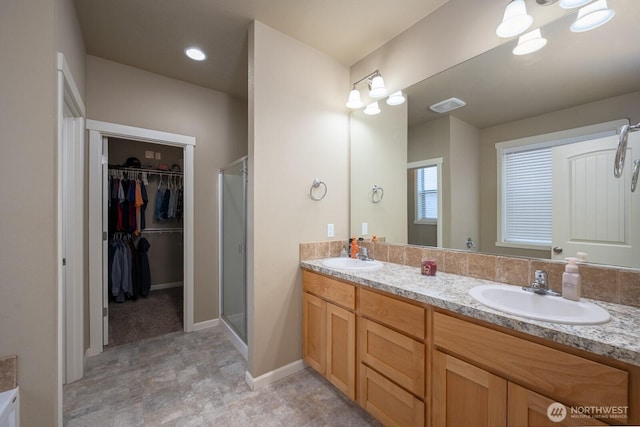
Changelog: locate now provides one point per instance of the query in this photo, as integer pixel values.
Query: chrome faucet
(364, 254)
(540, 285)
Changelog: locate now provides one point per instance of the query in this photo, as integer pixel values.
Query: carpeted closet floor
(158, 314)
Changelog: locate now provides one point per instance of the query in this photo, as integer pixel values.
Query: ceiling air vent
(447, 105)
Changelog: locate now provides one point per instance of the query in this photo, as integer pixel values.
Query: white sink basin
(352, 264)
(514, 300)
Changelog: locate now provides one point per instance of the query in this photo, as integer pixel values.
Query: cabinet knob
(557, 250)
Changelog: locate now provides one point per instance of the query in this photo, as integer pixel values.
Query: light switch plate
(330, 230)
(148, 154)
(158, 155)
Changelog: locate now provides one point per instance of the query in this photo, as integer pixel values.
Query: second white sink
(514, 300)
(352, 264)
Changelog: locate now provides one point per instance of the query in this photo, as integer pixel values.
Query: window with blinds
(527, 192)
(427, 195)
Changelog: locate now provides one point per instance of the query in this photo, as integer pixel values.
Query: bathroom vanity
(417, 350)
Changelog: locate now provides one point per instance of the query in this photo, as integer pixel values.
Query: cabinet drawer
(389, 403)
(394, 355)
(568, 378)
(330, 289)
(398, 314)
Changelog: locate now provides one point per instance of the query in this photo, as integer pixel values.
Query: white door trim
(98, 130)
(70, 285)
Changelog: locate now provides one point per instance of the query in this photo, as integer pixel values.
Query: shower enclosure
(233, 238)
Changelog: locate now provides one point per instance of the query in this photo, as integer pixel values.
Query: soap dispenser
(354, 248)
(571, 280)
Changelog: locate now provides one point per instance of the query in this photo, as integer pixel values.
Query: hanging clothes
(144, 270)
(157, 215)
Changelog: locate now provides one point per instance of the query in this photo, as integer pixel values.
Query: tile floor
(197, 379)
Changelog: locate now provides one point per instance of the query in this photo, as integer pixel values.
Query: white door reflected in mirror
(590, 205)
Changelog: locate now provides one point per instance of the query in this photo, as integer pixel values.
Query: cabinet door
(389, 403)
(529, 409)
(341, 349)
(314, 323)
(465, 395)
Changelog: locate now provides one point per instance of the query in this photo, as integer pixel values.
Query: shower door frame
(239, 343)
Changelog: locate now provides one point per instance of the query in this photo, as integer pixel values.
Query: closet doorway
(123, 153)
(233, 257)
(145, 201)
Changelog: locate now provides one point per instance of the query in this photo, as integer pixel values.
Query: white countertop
(618, 339)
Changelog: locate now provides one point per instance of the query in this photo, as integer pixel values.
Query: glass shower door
(233, 182)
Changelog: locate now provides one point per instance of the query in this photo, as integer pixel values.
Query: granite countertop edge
(618, 339)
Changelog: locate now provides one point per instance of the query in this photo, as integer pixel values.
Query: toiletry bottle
(343, 253)
(571, 281)
(354, 248)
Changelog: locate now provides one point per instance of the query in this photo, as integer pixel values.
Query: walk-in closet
(145, 207)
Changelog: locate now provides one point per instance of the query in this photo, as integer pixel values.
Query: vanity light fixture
(376, 89)
(572, 4)
(195, 53)
(592, 16)
(372, 109)
(515, 20)
(396, 98)
(354, 102)
(530, 42)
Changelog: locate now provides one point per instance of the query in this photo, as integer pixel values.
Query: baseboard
(206, 324)
(275, 375)
(159, 286)
(235, 339)
(91, 353)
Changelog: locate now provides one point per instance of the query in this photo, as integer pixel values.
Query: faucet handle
(540, 277)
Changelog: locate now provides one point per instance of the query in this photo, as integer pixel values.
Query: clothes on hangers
(129, 269)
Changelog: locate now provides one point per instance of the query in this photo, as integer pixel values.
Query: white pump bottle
(571, 286)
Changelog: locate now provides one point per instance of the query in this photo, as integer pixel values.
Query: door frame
(69, 246)
(98, 130)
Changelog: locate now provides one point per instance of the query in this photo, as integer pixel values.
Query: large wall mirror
(576, 90)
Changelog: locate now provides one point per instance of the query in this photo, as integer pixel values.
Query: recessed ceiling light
(195, 53)
(447, 105)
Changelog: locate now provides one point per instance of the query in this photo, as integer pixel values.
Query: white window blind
(427, 194)
(527, 196)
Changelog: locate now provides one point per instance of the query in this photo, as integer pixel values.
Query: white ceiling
(152, 34)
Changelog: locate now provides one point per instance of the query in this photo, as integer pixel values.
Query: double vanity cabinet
(409, 363)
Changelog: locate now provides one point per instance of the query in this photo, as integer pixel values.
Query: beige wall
(120, 94)
(429, 140)
(457, 143)
(298, 132)
(379, 157)
(626, 106)
(464, 175)
(69, 41)
(468, 28)
(27, 259)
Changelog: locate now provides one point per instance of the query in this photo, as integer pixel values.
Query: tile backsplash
(611, 284)
(8, 373)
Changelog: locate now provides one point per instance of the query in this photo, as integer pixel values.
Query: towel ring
(377, 193)
(316, 184)
(634, 177)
